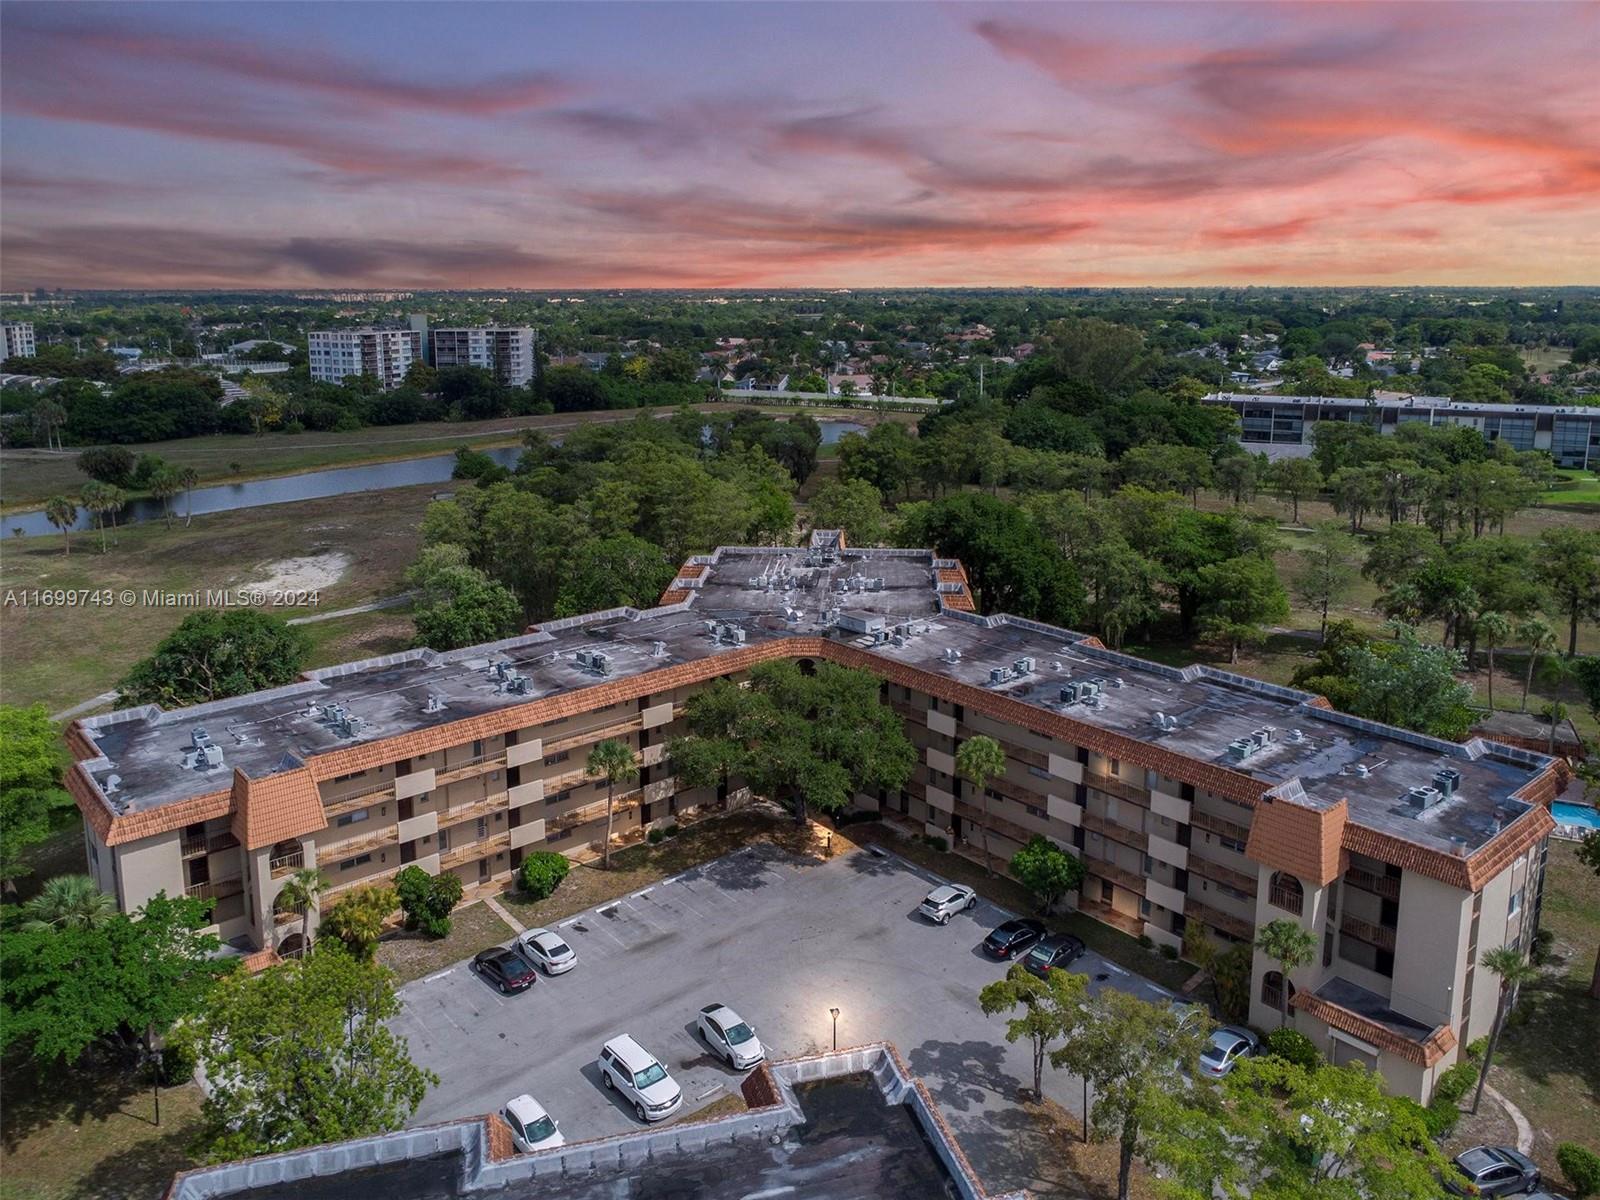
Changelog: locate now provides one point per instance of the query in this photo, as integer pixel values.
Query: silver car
(945, 901)
(544, 948)
(1227, 1046)
(732, 1039)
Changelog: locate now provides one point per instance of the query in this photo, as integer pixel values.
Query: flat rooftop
(1436, 404)
(741, 596)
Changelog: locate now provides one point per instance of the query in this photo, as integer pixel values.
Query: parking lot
(780, 939)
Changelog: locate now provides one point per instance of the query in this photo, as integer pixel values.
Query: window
(1286, 893)
(1039, 772)
(477, 748)
(1144, 907)
(351, 818)
(1231, 843)
(1516, 904)
(552, 759)
(350, 864)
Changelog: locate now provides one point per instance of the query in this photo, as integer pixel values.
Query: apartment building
(20, 342)
(1203, 804)
(387, 354)
(505, 350)
(1571, 434)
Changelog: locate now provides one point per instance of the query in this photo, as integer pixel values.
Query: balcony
(466, 770)
(1387, 886)
(598, 734)
(478, 808)
(472, 851)
(332, 894)
(1106, 869)
(1116, 832)
(1106, 915)
(286, 916)
(1204, 913)
(215, 889)
(385, 835)
(1217, 873)
(360, 800)
(194, 847)
(1290, 899)
(1216, 825)
(561, 824)
(1380, 936)
(995, 825)
(1116, 787)
(286, 864)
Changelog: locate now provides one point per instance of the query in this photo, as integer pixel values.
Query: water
(1581, 815)
(308, 485)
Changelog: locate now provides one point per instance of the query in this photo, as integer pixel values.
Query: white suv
(726, 1033)
(944, 902)
(629, 1068)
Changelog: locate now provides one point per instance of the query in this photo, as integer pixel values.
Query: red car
(506, 969)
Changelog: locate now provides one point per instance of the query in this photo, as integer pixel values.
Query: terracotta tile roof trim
(1244, 789)
(1424, 1053)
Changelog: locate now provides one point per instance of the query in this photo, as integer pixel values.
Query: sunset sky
(842, 145)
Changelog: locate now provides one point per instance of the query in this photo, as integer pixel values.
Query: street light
(835, 1013)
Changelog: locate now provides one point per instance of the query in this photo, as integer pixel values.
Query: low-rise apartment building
(386, 354)
(507, 351)
(1571, 434)
(1203, 804)
(20, 341)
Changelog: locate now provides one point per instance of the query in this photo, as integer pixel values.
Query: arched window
(286, 858)
(1286, 893)
(1272, 989)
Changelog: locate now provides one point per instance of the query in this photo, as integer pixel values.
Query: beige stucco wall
(149, 866)
(1430, 950)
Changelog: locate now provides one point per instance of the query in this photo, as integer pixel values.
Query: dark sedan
(1014, 938)
(1493, 1171)
(1053, 953)
(506, 969)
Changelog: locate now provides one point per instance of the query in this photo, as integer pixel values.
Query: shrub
(673, 831)
(1293, 1046)
(427, 900)
(178, 1062)
(542, 872)
(1457, 1081)
(937, 842)
(655, 836)
(1440, 1117)
(1476, 1049)
(1169, 952)
(1581, 1166)
(1148, 942)
(1540, 954)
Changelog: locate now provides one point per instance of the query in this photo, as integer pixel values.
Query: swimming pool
(1581, 815)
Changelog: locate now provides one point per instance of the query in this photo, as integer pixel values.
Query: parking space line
(437, 975)
(645, 892)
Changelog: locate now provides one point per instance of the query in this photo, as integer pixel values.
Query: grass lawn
(62, 656)
(1548, 1063)
(1576, 488)
(79, 1135)
(472, 928)
(641, 865)
(1111, 943)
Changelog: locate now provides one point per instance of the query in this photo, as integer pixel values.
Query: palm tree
(1494, 628)
(1291, 947)
(1555, 712)
(616, 761)
(1509, 965)
(63, 514)
(164, 485)
(979, 759)
(1540, 638)
(96, 497)
(300, 892)
(187, 478)
(48, 418)
(69, 902)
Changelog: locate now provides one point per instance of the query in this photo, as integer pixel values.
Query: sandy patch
(312, 573)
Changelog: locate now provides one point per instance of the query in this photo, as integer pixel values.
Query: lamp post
(835, 1013)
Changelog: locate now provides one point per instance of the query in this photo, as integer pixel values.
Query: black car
(1014, 938)
(506, 969)
(1493, 1171)
(1053, 953)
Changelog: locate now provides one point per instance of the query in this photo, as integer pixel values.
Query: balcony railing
(1217, 873)
(287, 864)
(1387, 886)
(1116, 787)
(598, 734)
(364, 799)
(473, 766)
(1290, 899)
(215, 889)
(457, 855)
(563, 823)
(1380, 936)
(1107, 869)
(1218, 826)
(1116, 832)
(1236, 926)
(194, 847)
(995, 824)
(386, 834)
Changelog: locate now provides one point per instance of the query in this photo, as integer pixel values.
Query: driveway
(780, 939)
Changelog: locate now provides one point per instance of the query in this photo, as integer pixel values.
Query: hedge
(1581, 1166)
(542, 872)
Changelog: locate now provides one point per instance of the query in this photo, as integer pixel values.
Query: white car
(544, 948)
(1227, 1046)
(943, 902)
(531, 1127)
(627, 1067)
(727, 1034)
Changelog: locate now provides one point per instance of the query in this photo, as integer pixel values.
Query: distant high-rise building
(19, 340)
(387, 354)
(505, 350)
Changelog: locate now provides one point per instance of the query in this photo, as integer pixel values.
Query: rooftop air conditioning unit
(519, 685)
(1297, 735)
(213, 756)
(899, 639)
(599, 661)
(999, 674)
(1241, 748)
(1023, 666)
(1424, 797)
(434, 704)
(1119, 681)
(658, 649)
(1071, 693)
(1447, 780)
(199, 738)
(711, 628)
(191, 759)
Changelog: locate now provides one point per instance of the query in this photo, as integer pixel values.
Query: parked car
(546, 949)
(1014, 938)
(1494, 1171)
(1055, 952)
(944, 902)
(730, 1036)
(627, 1067)
(531, 1127)
(1227, 1046)
(506, 969)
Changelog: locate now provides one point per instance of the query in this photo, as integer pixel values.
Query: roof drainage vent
(658, 649)
(1165, 722)
(952, 655)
